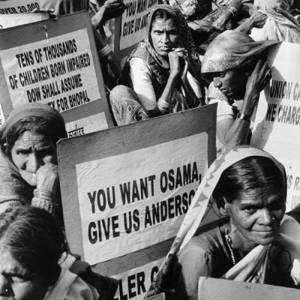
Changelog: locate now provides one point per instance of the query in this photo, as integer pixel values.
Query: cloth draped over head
(233, 50)
(280, 24)
(185, 40)
(201, 205)
(12, 186)
(50, 115)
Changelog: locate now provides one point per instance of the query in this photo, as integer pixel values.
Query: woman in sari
(35, 265)
(280, 25)
(249, 240)
(28, 160)
(162, 70)
(236, 69)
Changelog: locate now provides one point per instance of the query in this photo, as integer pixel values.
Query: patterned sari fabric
(254, 266)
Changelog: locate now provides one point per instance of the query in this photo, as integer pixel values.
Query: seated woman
(249, 242)
(162, 71)
(34, 264)
(28, 161)
(227, 65)
(280, 25)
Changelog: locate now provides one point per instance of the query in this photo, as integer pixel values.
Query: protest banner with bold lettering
(56, 63)
(134, 283)
(125, 191)
(128, 188)
(277, 121)
(131, 27)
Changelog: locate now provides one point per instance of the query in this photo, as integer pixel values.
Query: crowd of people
(194, 53)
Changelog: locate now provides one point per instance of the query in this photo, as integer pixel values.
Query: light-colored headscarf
(201, 205)
(185, 40)
(232, 50)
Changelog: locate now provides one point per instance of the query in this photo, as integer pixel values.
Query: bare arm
(165, 102)
(235, 132)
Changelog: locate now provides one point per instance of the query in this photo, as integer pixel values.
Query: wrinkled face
(30, 152)
(257, 214)
(164, 36)
(233, 83)
(16, 283)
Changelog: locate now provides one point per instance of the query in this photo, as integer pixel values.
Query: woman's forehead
(262, 195)
(168, 24)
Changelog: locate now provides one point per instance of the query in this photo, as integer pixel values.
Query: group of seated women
(236, 226)
(165, 73)
(239, 233)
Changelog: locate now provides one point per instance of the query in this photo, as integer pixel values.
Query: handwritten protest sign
(19, 6)
(126, 190)
(131, 28)
(132, 185)
(277, 120)
(53, 62)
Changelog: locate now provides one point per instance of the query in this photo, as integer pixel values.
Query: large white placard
(133, 200)
(277, 121)
(58, 71)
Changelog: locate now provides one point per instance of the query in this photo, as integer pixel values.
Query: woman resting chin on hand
(28, 160)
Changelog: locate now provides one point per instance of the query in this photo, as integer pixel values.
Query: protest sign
(235, 290)
(276, 125)
(128, 188)
(134, 283)
(53, 62)
(18, 6)
(131, 27)
(125, 191)
(7, 21)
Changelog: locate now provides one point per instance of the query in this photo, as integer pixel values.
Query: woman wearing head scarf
(227, 64)
(162, 70)
(280, 25)
(34, 264)
(28, 161)
(250, 240)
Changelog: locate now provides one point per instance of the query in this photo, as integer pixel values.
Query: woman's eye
(22, 152)
(250, 211)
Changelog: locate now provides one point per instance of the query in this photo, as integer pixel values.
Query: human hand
(110, 9)
(295, 272)
(174, 62)
(113, 9)
(47, 178)
(257, 81)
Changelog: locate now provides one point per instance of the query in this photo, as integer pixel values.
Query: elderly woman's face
(164, 35)
(257, 214)
(16, 283)
(232, 83)
(30, 152)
